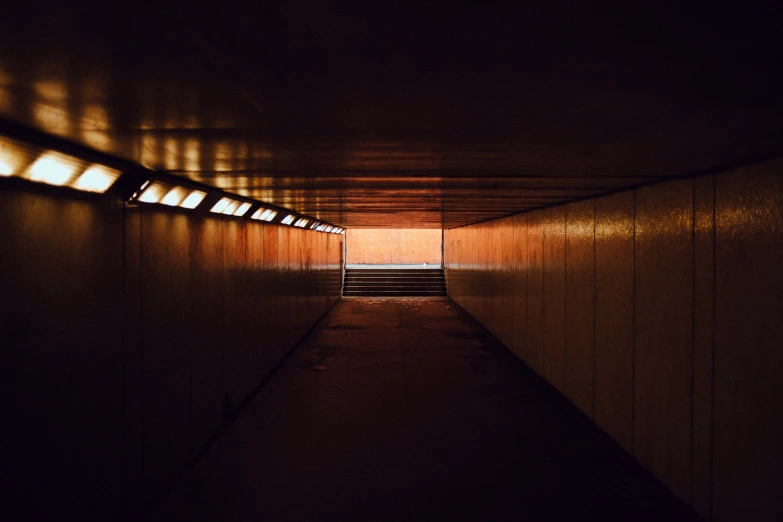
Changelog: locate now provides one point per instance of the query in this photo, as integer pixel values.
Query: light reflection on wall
(223, 181)
(241, 156)
(223, 156)
(171, 154)
(241, 184)
(12, 158)
(149, 150)
(580, 229)
(94, 126)
(50, 108)
(677, 220)
(192, 155)
(610, 228)
(760, 214)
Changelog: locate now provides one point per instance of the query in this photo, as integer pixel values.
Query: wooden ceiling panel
(403, 115)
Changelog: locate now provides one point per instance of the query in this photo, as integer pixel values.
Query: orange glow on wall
(394, 246)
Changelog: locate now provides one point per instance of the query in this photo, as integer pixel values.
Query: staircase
(394, 282)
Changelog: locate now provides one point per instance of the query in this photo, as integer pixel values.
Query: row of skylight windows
(55, 168)
(173, 196)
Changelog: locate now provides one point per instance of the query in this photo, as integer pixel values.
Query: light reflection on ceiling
(466, 115)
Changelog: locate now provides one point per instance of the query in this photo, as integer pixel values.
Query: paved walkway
(401, 410)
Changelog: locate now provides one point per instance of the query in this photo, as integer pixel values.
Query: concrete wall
(394, 246)
(129, 335)
(657, 313)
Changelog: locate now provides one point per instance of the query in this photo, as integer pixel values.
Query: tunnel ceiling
(403, 114)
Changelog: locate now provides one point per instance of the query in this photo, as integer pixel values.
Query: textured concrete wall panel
(687, 306)
(61, 353)
(208, 324)
(748, 337)
(554, 296)
(663, 332)
(534, 332)
(580, 305)
(614, 261)
(519, 289)
(167, 334)
(133, 331)
(703, 342)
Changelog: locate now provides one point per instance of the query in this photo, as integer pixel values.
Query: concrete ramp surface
(403, 409)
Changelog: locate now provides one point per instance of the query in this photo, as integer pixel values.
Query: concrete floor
(401, 409)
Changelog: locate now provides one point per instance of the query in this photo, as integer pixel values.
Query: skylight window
(264, 214)
(231, 207)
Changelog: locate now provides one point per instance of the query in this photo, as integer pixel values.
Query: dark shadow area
(415, 414)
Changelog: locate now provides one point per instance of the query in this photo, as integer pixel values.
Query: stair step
(393, 293)
(394, 283)
(388, 284)
(397, 272)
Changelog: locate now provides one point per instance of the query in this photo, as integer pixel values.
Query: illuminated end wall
(657, 312)
(381, 246)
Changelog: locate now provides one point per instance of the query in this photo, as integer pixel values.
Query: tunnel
(355, 261)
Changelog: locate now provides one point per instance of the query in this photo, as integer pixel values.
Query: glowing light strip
(53, 168)
(231, 207)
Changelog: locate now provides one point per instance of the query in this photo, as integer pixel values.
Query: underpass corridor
(405, 409)
(307, 261)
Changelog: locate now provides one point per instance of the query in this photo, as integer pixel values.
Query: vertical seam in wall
(223, 384)
(543, 296)
(141, 350)
(595, 300)
(542, 320)
(565, 301)
(124, 352)
(526, 257)
(633, 335)
(693, 329)
(714, 337)
(189, 345)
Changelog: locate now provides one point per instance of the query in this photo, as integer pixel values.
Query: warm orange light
(174, 197)
(52, 168)
(5, 168)
(193, 200)
(220, 206)
(153, 193)
(242, 210)
(96, 179)
(264, 214)
(10, 158)
(231, 208)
